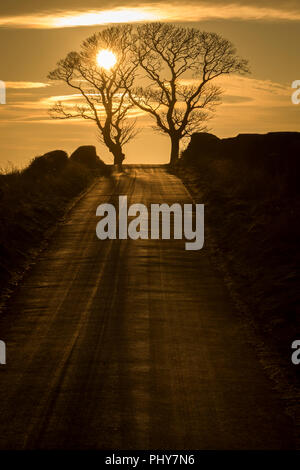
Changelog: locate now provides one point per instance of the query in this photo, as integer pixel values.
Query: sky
(34, 35)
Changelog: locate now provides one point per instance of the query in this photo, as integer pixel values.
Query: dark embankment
(33, 199)
(249, 186)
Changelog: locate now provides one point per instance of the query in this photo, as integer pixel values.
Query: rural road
(124, 344)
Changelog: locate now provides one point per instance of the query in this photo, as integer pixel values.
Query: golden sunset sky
(35, 35)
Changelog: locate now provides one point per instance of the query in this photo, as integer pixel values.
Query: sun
(106, 59)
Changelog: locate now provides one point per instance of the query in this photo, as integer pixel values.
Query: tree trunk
(174, 149)
(118, 159)
(114, 148)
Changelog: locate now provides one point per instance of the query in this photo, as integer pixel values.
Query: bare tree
(103, 91)
(180, 65)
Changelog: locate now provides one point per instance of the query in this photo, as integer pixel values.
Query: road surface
(131, 344)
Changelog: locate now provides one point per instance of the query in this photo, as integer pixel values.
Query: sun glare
(106, 59)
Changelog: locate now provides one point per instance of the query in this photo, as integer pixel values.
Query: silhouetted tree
(171, 57)
(105, 98)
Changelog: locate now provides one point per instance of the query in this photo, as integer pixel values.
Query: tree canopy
(164, 70)
(180, 65)
(104, 91)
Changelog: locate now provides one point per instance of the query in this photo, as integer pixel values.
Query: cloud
(189, 12)
(36, 109)
(25, 85)
(257, 93)
(238, 91)
(242, 96)
(33, 7)
(78, 18)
